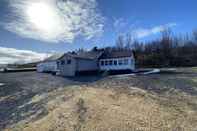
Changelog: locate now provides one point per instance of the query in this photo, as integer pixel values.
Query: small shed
(49, 64)
(72, 63)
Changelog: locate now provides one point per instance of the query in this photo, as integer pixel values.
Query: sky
(42, 27)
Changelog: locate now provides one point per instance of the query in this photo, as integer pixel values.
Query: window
(102, 63)
(62, 62)
(132, 61)
(115, 62)
(68, 61)
(110, 62)
(126, 61)
(120, 62)
(106, 62)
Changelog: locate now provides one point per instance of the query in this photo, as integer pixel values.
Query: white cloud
(120, 23)
(55, 20)
(142, 32)
(11, 55)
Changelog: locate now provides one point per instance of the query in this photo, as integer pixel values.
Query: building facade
(117, 60)
(71, 64)
(49, 64)
(124, 63)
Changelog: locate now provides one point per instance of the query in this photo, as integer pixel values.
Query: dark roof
(116, 54)
(53, 57)
(91, 55)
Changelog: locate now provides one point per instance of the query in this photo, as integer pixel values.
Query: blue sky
(88, 23)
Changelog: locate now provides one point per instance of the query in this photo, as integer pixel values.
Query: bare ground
(41, 102)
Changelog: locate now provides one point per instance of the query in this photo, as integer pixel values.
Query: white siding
(126, 63)
(67, 66)
(75, 65)
(47, 66)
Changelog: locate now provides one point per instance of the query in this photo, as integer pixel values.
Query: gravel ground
(16, 89)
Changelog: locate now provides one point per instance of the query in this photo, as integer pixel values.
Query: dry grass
(160, 102)
(99, 109)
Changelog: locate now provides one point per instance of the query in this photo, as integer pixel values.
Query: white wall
(128, 66)
(65, 68)
(47, 66)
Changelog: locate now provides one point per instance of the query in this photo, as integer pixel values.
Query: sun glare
(42, 15)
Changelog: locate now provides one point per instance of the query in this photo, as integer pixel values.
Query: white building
(49, 65)
(71, 64)
(117, 60)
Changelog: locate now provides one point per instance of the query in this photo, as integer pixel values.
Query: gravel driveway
(16, 89)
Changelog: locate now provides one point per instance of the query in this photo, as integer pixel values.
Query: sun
(42, 16)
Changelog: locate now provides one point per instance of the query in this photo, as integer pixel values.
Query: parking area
(19, 88)
(22, 94)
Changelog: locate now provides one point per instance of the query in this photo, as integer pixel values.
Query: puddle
(2, 84)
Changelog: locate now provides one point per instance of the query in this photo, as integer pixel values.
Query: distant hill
(3, 65)
(27, 65)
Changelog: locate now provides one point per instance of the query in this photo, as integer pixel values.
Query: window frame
(115, 62)
(68, 61)
(125, 61)
(106, 62)
(102, 63)
(58, 63)
(120, 62)
(62, 62)
(110, 62)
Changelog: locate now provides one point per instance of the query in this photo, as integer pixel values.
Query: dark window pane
(110, 62)
(102, 63)
(69, 62)
(62, 62)
(126, 61)
(115, 62)
(106, 62)
(120, 62)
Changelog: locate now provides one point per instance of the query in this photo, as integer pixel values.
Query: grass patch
(92, 109)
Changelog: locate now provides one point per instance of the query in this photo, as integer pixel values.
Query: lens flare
(44, 17)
